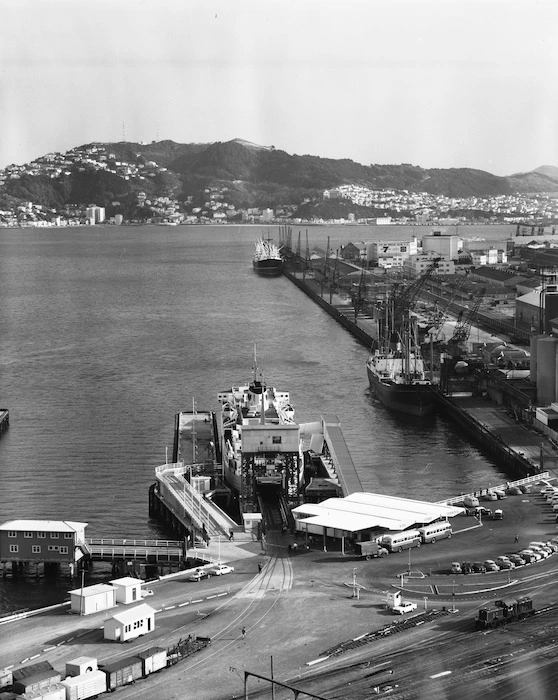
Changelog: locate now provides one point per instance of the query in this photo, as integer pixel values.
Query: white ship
(260, 441)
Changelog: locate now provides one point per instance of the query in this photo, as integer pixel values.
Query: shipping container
(88, 685)
(153, 659)
(81, 665)
(122, 672)
(37, 682)
(53, 692)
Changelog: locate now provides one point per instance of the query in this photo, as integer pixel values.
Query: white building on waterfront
(389, 254)
(95, 214)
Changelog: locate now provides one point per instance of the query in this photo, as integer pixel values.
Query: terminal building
(362, 517)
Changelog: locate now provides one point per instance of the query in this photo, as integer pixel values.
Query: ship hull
(413, 399)
(268, 268)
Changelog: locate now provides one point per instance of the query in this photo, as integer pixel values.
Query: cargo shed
(128, 589)
(92, 599)
(367, 516)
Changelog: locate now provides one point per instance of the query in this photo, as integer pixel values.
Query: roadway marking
(439, 675)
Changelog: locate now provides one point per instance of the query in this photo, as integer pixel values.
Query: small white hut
(92, 599)
(130, 624)
(128, 589)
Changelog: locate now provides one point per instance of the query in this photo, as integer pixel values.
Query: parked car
(466, 567)
(513, 491)
(491, 565)
(197, 575)
(517, 559)
(524, 488)
(404, 608)
(505, 563)
(479, 568)
(490, 496)
(456, 567)
(146, 592)
(528, 556)
(479, 511)
(553, 546)
(498, 514)
(220, 570)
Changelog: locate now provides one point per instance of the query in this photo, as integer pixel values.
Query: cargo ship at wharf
(267, 260)
(485, 406)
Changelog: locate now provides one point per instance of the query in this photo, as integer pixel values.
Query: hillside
(251, 175)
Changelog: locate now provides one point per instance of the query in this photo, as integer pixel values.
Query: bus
(398, 541)
(435, 531)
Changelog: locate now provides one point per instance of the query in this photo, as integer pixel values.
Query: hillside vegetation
(254, 176)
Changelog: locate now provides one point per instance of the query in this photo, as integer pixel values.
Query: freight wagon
(153, 660)
(503, 612)
(36, 682)
(86, 685)
(6, 678)
(122, 672)
(31, 670)
(83, 678)
(53, 692)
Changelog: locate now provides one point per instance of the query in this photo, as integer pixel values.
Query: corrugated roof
(43, 525)
(361, 511)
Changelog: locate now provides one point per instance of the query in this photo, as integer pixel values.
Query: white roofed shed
(92, 599)
(130, 623)
(128, 589)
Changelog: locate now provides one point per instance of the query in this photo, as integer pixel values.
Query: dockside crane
(403, 298)
(463, 326)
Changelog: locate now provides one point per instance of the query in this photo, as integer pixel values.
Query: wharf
(516, 445)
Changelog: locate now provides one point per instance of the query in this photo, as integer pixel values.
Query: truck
(370, 549)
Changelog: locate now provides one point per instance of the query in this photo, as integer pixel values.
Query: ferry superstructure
(260, 442)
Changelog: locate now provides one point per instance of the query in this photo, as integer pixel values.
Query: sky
(438, 84)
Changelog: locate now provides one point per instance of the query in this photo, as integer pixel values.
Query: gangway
(188, 505)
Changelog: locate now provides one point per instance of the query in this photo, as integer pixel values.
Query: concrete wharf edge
(522, 453)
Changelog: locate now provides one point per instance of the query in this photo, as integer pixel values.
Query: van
(470, 501)
(435, 531)
(398, 541)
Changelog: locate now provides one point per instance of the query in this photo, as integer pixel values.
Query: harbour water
(107, 332)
